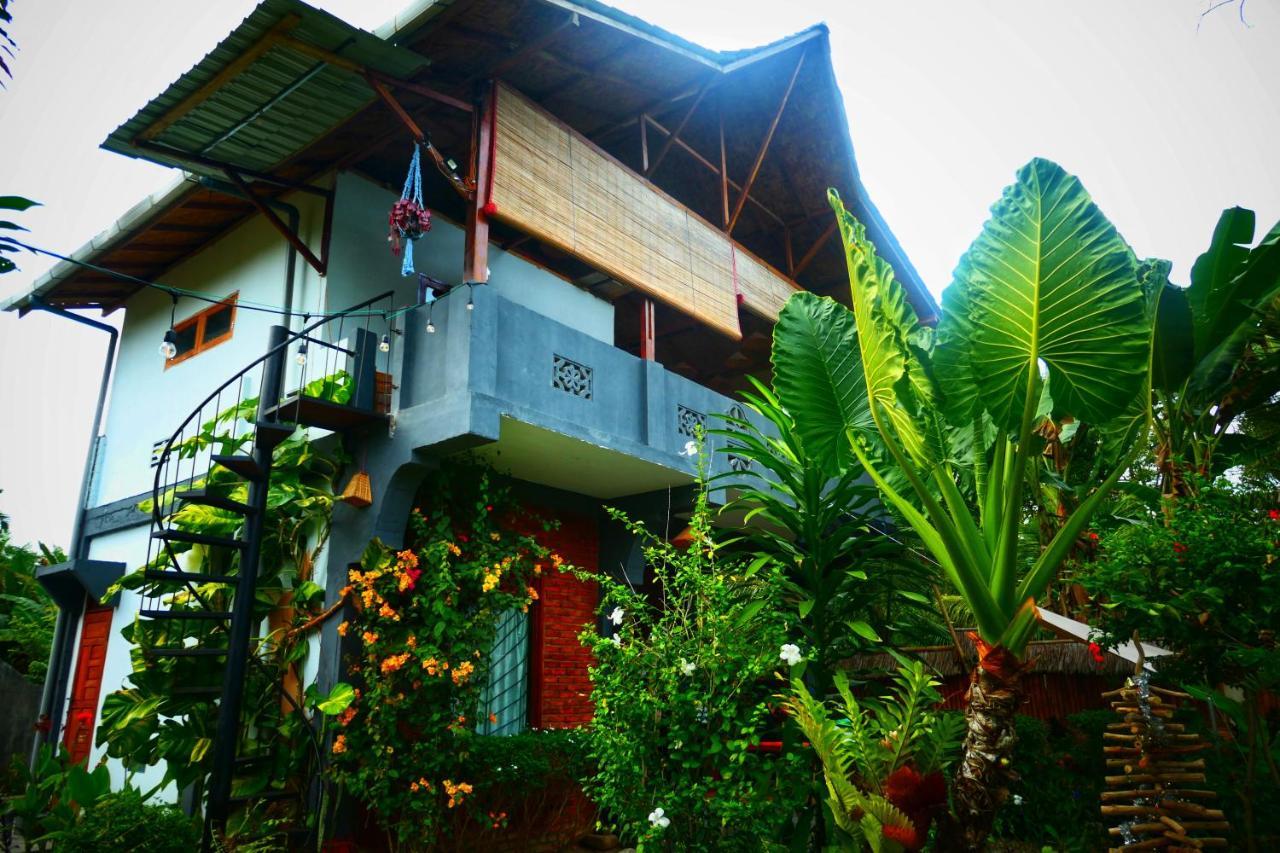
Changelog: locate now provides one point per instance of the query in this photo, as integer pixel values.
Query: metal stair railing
(221, 589)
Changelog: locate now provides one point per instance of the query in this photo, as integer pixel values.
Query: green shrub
(122, 821)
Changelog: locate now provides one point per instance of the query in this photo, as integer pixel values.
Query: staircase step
(240, 464)
(315, 412)
(185, 652)
(268, 796)
(222, 615)
(203, 498)
(197, 690)
(198, 538)
(271, 433)
(171, 576)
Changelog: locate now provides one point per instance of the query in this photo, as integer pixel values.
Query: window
(204, 330)
(505, 696)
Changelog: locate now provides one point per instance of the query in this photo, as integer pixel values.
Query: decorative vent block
(690, 422)
(736, 462)
(570, 377)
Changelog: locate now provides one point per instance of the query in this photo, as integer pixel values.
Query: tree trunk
(981, 783)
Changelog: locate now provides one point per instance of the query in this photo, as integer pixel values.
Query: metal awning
(287, 75)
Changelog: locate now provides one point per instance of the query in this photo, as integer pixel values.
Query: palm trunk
(981, 783)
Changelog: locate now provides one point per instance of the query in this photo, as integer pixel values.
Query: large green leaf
(1173, 354)
(817, 376)
(891, 343)
(952, 364)
(1212, 308)
(1050, 279)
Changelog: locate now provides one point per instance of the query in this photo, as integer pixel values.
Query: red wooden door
(88, 682)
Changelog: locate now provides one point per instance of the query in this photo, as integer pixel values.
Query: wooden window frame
(198, 320)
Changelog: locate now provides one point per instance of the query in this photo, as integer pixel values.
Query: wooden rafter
(320, 265)
(675, 134)
(527, 49)
(764, 145)
(813, 250)
(724, 165)
(713, 168)
(421, 138)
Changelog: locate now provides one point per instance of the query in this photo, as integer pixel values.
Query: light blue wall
(361, 264)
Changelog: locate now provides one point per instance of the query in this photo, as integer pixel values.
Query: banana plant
(1217, 356)
(1046, 316)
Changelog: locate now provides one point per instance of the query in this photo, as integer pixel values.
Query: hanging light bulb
(169, 348)
(385, 344)
(301, 357)
(431, 327)
(471, 303)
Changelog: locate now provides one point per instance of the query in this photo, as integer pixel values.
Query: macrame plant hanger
(409, 218)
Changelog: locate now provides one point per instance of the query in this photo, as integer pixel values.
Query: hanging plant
(409, 217)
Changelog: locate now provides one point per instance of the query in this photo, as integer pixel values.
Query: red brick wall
(559, 690)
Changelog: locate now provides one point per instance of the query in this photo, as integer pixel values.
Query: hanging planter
(409, 217)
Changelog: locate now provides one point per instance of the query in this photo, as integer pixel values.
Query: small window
(204, 330)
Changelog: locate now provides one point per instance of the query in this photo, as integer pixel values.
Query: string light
(169, 346)
(385, 344)
(471, 303)
(301, 357)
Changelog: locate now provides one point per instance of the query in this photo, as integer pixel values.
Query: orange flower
(557, 560)
(369, 638)
(394, 662)
(463, 671)
(455, 792)
(495, 536)
(407, 559)
(421, 785)
(412, 642)
(533, 593)
(386, 612)
(342, 629)
(339, 744)
(346, 716)
(493, 718)
(432, 666)
(453, 549)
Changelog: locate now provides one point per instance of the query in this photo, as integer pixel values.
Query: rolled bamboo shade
(552, 183)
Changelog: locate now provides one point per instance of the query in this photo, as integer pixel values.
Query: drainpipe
(64, 629)
(294, 218)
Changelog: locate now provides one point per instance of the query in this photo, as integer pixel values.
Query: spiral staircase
(220, 459)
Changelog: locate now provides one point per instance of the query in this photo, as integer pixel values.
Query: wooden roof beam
(813, 250)
(711, 167)
(764, 146)
(527, 49)
(675, 134)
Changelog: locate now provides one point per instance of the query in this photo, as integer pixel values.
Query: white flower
(659, 818)
(616, 616)
(616, 640)
(690, 449)
(790, 654)
(1017, 799)
(687, 667)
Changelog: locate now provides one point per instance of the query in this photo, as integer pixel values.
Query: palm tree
(1049, 314)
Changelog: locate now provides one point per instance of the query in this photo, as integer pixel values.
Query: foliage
(1061, 769)
(1049, 318)
(1216, 356)
(1205, 585)
(122, 821)
(424, 622)
(9, 245)
(681, 689)
(849, 582)
(27, 614)
(152, 720)
(882, 758)
(49, 796)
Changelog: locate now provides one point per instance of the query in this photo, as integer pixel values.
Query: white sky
(1166, 126)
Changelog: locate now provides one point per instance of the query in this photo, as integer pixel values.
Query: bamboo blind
(552, 183)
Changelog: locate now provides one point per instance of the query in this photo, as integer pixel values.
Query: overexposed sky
(1166, 123)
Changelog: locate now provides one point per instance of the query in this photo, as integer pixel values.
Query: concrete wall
(18, 713)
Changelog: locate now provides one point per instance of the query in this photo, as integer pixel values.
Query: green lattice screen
(505, 695)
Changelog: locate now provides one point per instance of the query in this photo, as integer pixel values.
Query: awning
(287, 75)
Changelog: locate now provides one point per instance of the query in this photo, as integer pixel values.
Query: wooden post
(648, 346)
(764, 146)
(644, 144)
(724, 168)
(475, 263)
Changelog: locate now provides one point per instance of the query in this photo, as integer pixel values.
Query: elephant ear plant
(1046, 317)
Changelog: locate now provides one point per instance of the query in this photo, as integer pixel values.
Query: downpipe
(54, 691)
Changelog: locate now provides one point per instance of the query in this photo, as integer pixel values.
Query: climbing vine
(156, 719)
(424, 621)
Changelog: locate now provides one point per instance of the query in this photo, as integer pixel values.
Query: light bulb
(471, 305)
(168, 348)
(431, 328)
(301, 357)
(385, 343)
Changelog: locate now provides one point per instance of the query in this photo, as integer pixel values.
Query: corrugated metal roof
(276, 105)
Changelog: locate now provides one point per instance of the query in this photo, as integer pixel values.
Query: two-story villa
(618, 217)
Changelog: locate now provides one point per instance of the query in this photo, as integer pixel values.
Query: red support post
(648, 331)
(475, 264)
